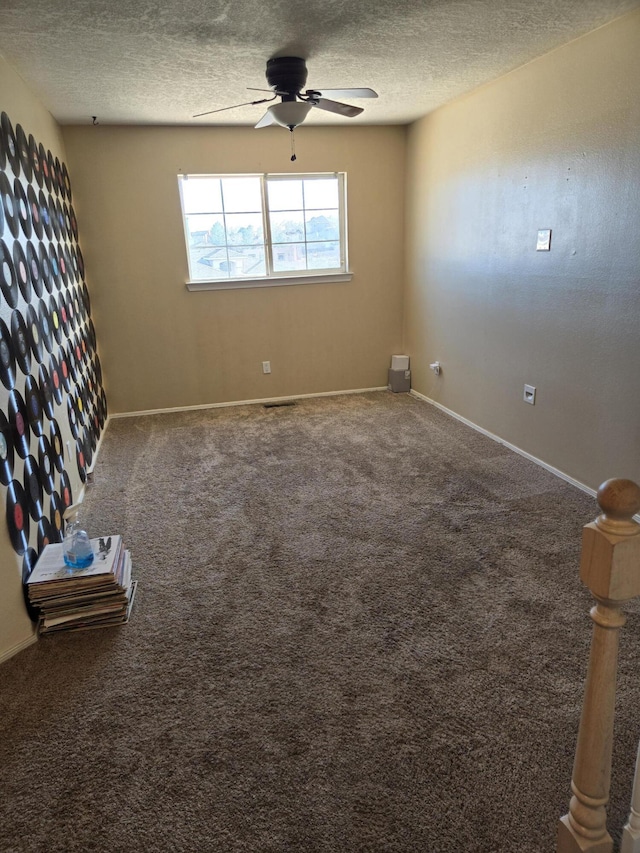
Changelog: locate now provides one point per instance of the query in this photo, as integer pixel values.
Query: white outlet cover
(544, 241)
(529, 395)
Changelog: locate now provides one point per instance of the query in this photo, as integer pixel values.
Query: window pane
(289, 256)
(287, 227)
(201, 195)
(246, 261)
(218, 262)
(322, 225)
(321, 192)
(206, 230)
(323, 256)
(208, 262)
(285, 195)
(241, 195)
(244, 228)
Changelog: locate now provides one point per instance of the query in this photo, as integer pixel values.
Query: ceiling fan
(287, 76)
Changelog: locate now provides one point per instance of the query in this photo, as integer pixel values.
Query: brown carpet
(359, 627)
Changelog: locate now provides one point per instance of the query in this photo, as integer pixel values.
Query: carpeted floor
(359, 627)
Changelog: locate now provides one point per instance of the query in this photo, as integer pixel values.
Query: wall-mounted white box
(399, 362)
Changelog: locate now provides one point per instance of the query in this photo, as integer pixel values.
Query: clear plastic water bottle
(76, 547)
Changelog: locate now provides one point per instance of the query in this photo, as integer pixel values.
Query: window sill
(272, 281)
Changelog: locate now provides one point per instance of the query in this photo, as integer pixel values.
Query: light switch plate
(544, 240)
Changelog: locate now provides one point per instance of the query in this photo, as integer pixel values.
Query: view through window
(263, 226)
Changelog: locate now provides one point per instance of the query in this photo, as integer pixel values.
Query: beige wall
(555, 144)
(22, 108)
(162, 346)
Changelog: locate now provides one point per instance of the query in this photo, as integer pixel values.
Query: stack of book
(75, 599)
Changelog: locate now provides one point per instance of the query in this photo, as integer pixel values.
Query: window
(262, 229)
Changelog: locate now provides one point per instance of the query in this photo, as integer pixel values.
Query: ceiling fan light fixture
(290, 113)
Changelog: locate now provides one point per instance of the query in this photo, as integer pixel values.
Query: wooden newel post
(610, 567)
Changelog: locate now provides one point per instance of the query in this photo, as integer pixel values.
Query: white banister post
(631, 832)
(610, 567)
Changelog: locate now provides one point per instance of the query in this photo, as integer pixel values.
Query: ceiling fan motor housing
(287, 76)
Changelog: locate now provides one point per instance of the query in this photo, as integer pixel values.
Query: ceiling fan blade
(337, 107)
(266, 120)
(246, 104)
(346, 93)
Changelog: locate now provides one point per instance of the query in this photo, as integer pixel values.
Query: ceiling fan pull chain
(293, 146)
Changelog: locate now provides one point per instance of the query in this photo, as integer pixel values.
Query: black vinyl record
(72, 417)
(54, 266)
(52, 172)
(10, 145)
(65, 373)
(66, 180)
(33, 488)
(74, 222)
(57, 447)
(44, 167)
(45, 464)
(66, 493)
(59, 185)
(33, 265)
(22, 144)
(53, 215)
(103, 405)
(72, 363)
(6, 450)
(34, 209)
(20, 339)
(45, 216)
(7, 358)
(56, 322)
(72, 275)
(35, 333)
(33, 402)
(62, 266)
(74, 263)
(62, 225)
(9, 205)
(67, 221)
(56, 510)
(45, 325)
(86, 301)
(46, 392)
(8, 277)
(81, 270)
(45, 269)
(22, 270)
(29, 561)
(91, 334)
(17, 517)
(47, 534)
(18, 420)
(80, 461)
(98, 367)
(22, 207)
(35, 160)
(56, 379)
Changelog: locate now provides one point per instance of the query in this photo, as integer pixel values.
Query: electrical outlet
(266, 367)
(529, 395)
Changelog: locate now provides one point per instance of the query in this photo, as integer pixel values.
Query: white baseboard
(513, 447)
(9, 653)
(244, 403)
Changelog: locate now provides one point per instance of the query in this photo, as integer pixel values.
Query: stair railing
(610, 567)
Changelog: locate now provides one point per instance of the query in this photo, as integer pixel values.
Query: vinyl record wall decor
(53, 407)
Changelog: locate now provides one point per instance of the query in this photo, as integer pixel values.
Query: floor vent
(279, 405)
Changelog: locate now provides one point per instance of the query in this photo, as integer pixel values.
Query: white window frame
(274, 279)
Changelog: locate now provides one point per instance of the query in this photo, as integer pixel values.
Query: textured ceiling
(151, 62)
